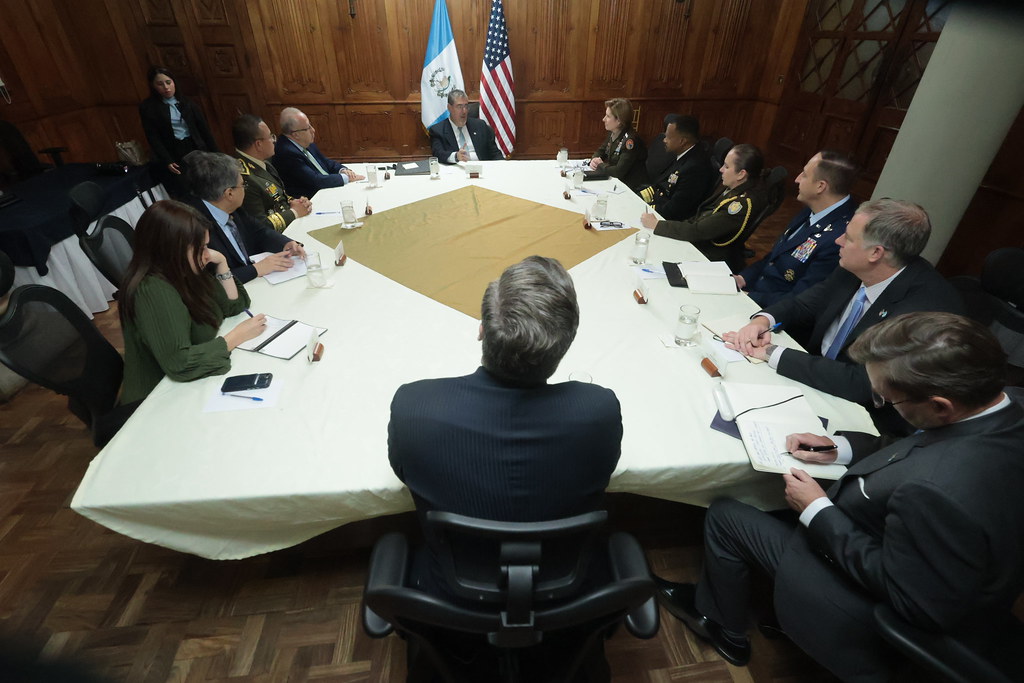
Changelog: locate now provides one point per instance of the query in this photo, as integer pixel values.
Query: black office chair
(86, 205)
(23, 162)
(996, 300)
(522, 606)
(945, 658)
(110, 247)
(45, 338)
(775, 188)
(718, 152)
(6, 275)
(659, 158)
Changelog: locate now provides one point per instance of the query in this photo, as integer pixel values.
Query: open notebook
(282, 338)
(764, 429)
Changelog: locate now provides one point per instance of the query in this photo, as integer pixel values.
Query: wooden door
(857, 66)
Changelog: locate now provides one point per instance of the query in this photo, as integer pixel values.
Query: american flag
(497, 101)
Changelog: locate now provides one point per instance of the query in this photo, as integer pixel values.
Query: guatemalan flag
(441, 71)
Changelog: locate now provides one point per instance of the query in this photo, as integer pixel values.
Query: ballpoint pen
(249, 313)
(248, 398)
(814, 449)
(774, 328)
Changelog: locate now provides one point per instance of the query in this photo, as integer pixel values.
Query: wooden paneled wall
(75, 68)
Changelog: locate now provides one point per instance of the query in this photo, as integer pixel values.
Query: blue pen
(327, 213)
(774, 328)
(250, 398)
(249, 313)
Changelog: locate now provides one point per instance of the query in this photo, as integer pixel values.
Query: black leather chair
(719, 150)
(86, 205)
(658, 158)
(110, 247)
(45, 338)
(521, 606)
(941, 657)
(775, 188)
(6, 275)
(996, 299)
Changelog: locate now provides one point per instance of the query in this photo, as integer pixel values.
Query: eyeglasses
(272, 138)
(301, 130)
(880, 401)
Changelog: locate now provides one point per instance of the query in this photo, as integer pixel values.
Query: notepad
(708, 277)
(274, 277)
(764, 429)
(282, 338)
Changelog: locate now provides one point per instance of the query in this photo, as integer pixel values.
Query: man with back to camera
(881, 275)
(460, 138)
(218, 192)
(265, 194)
(678, 190)
(807, 252)
(302, 165)
(501, 443)
(931, 525)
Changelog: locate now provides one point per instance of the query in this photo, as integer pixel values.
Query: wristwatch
(224, 276)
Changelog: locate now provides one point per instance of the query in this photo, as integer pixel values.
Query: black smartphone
(245, 382)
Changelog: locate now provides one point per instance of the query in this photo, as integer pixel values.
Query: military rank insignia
(272, 188)
(804, 251)
(672, 179)
(790, 275)
(734, 208)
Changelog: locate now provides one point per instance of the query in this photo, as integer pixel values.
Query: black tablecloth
(42, 218)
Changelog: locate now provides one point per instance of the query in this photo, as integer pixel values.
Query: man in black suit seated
(881, 275)
(807, 252)
(501, 443)
(461, 138)
(679, 189)
(302, 165)
(931, 525)
(218, 193)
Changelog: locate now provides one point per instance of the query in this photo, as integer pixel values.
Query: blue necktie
(851, 320)
(238, 239)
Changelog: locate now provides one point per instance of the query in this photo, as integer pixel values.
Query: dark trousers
(823, 611)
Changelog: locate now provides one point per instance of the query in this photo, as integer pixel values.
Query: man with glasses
(460, 138)
(265, 193)
(302, 165)
(931, 525)
(881, 275)
(218, 193)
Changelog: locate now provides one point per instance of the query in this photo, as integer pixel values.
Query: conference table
(264, 476)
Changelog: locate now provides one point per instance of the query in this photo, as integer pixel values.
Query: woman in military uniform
(623, 154)
(721, 225)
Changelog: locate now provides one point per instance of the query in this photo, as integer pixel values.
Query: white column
(971, 92)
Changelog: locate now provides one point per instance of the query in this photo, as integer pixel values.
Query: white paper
(410, 166)
(219, 402)
(688, 268)
(711, 284)
(298, 269)
(288, 343)
(596, 225)
(723, 352)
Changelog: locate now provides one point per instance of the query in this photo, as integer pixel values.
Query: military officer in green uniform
(623, 154)
(722, 220)
(265, 194)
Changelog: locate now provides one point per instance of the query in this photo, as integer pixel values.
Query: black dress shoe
(679, 600)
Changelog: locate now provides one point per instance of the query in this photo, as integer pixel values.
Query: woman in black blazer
(174, 127)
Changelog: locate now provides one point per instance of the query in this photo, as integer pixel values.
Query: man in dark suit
(302, 166)
(265, 193)
(806, 253)
(502, 443)
(881, 275)
(218, 193)
(679, 189)
(931, 525)
(461, 138)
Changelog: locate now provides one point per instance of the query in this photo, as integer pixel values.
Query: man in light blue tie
(302, 165)
(881, 275)
(461, 138)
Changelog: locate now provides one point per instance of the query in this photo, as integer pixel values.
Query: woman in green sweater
(176, 294)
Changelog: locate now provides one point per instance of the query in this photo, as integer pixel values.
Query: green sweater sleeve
(228, 307)
(184, 349)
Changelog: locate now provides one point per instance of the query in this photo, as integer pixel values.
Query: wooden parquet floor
(129, 611)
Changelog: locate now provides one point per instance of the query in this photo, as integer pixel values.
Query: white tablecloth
(234, 484)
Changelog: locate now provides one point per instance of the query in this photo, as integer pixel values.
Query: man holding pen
(461, 138)
(881, 275)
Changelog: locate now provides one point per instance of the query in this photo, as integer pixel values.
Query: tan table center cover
(449, 247)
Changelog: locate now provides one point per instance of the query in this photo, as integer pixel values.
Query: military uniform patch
(672, 179)
(804, 251)
(629, 143)
(734, 208)
(790, 275)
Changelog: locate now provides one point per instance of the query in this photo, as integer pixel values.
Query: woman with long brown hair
(176, 294)
(623, 154)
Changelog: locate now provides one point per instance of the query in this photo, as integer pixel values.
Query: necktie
(312, 160)
(462, 137)
(796, 228)
(851, 320)
(238, 239)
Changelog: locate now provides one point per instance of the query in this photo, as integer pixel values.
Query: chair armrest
(389, 564)
(628, 561)
(937, 652)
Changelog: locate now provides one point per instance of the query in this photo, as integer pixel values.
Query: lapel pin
(882, 313)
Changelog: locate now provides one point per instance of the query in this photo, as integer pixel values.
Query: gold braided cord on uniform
(277, 220)
(742, 227)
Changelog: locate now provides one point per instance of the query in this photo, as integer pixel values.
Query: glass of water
(687, 329)
(315, 270)
(640, 242)
(348, 212)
